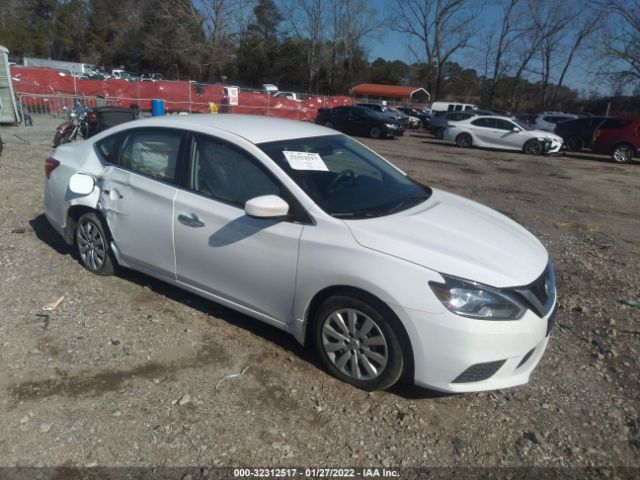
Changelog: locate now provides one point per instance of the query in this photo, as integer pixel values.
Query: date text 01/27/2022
(315, 472)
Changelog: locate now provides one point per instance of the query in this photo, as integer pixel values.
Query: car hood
(459, 237)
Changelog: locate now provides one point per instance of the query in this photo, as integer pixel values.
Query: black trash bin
(101, 118)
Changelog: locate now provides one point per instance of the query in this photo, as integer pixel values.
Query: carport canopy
(399, 92)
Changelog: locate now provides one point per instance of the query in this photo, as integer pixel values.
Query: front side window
(504, 124)
(228, 174)
(344, 178)
(152, 152)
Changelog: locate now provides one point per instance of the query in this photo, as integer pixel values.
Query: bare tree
(443, 27)
(508, 27)
(622, 43)
(590, 24)
(308, 22)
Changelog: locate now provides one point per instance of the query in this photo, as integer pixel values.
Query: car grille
(479, 371)
(540, 294)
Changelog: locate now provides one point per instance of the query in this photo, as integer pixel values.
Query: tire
(61, 138)
(464, 140)
(92, 245)
(533, 147)
(574, 144)
(439, 133)
(375, 132)
(622, 153)
(376, 366)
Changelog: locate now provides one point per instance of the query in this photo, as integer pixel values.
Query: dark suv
(618, 137)
(358, 121)
(577, 134)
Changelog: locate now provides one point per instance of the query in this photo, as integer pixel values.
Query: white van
(451, 107)
(269, 88)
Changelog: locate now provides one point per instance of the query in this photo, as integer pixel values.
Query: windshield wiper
(356, 214)
(408, 202)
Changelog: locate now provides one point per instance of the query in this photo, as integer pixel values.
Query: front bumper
(552, 146)
(458, 354)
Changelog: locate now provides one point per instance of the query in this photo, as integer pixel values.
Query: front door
(238, 260)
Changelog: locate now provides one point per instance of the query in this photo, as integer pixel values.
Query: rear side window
(152, 152)
(485, 122)
(108, 148)
(615, 123)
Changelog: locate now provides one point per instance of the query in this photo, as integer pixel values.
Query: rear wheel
(574, 144)
(358, 343)
(464, 140)
(533, 147)
(622, 153)
(375, 132)
(439, 133)
(61, 138)
(93, 245)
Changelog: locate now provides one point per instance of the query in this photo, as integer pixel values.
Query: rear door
(137, 195)
(484, 130)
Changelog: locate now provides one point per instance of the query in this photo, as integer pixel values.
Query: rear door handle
(190, 221)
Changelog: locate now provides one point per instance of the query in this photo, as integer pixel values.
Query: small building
(8, 106)
(392, 93)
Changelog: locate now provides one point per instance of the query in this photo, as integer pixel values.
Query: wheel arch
(73, 215)
(327, 292)
(627, 143)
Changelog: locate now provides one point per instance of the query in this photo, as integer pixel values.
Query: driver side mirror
(81, 184)
(266, 206)
(516, 129)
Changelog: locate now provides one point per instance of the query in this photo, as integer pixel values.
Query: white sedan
(501, 132)
(310, 231)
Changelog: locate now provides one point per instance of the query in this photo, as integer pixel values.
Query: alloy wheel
(354, 344)
(91, 245)
(623, 154)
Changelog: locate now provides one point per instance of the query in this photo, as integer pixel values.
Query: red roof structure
(394, 92)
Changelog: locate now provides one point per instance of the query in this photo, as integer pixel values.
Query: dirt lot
(128, 370)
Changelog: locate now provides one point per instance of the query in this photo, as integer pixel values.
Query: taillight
(50, 164)
(91, 116)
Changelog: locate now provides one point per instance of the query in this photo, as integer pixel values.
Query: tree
(621, 46)
(443, 27)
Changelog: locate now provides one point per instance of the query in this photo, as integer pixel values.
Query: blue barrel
(157, 108)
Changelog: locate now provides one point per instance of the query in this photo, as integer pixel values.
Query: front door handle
(190, 221)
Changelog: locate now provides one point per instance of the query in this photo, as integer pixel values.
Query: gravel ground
(129, 371)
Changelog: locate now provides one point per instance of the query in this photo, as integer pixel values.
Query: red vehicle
(618, 137)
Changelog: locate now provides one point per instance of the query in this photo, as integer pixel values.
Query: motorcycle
(77, 123)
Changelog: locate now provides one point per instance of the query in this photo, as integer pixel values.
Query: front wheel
(464, 140)
(358, 343)
(622, 153)
(439, 133)
(93, 245)
(533, 147)
(375, 132)
(574, 144)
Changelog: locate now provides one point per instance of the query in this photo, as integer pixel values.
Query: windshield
(344, 178)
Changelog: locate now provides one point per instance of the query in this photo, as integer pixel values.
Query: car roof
(254, 128)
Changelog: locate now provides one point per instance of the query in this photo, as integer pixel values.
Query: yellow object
(213, 108)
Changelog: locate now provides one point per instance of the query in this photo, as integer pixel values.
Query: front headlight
(390, 125)
(474, 300)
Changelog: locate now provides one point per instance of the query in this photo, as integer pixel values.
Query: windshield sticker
(305, 161)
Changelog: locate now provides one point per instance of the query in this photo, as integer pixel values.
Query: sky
(392, 45)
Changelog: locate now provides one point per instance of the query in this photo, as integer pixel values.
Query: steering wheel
(333, 186)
